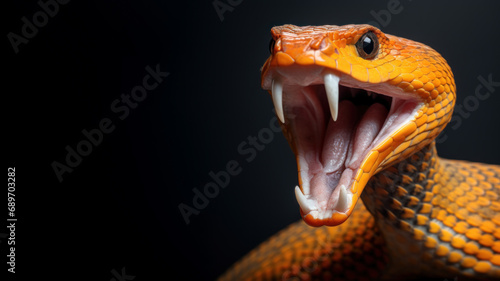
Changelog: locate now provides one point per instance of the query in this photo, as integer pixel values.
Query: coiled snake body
(361, 110)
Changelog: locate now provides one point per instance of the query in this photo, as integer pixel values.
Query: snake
(361, 110)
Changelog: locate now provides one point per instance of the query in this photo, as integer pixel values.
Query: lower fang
(343, 200)
(306, 205)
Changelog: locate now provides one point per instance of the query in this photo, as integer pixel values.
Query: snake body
(420, 215)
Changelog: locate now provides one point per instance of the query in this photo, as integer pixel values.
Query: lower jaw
(334, 219)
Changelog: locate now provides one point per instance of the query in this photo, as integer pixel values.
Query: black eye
(271, 45)
(367, 45)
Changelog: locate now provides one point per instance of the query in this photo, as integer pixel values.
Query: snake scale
(361, 110)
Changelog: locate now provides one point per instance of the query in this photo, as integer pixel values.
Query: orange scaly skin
(425, 216)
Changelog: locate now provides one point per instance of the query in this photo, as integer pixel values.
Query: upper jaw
(312, 115)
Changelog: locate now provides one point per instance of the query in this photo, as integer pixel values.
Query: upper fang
(332, 93)
(277, 94)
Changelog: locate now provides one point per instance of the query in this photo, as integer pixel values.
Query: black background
(119, 207)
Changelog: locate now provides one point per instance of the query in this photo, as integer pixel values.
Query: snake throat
(332, 123)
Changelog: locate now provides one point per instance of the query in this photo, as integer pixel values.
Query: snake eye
(271, 45)
(367, 45)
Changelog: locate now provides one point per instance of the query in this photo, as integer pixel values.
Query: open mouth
(332, 123)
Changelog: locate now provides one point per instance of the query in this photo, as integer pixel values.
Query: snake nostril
(319, 42)
(328, 48)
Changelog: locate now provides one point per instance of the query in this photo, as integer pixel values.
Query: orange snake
(361, 110)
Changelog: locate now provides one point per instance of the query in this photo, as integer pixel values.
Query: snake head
(352, 101)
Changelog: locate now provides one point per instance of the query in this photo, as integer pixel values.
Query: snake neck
(399, 198)
(401, 194)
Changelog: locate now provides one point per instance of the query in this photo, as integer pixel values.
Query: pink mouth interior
(329, 152)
